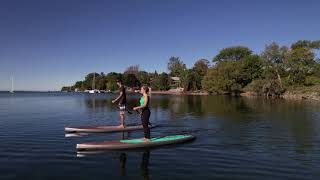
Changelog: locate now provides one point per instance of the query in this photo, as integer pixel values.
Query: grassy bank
(295, 93)
(305, 92)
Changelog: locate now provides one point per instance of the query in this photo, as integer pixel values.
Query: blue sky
(46, 44)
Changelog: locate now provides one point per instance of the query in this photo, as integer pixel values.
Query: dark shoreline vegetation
(279, 71)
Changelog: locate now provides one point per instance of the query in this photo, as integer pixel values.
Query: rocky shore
(295, 93)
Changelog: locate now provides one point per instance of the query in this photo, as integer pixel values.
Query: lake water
(237, 138)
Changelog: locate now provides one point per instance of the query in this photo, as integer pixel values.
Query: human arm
(117, 99)
(146, 99)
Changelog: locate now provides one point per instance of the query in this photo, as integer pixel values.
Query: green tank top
(142, 101)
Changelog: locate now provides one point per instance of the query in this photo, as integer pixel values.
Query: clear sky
(46, 44)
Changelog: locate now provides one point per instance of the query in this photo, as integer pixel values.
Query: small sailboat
(12, 89)
(94, 90)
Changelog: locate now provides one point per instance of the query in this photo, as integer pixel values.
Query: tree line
(133, 77)
(233, 70)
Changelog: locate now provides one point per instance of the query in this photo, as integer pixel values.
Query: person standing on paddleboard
(122, 101)
(145, 111)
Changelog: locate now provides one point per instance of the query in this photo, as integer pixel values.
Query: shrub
(312, 80)
(266, 87)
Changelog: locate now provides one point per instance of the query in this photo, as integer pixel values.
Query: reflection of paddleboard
(101, 129)
(67, 135)
(135, 143)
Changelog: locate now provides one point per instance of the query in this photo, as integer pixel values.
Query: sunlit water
(237, 138)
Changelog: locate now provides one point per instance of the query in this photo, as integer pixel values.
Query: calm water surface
(237, 138)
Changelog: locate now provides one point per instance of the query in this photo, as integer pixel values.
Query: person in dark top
(145, 111)
(122, 101)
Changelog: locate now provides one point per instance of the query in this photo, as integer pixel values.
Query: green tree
(306, 44)
(131, 80)
(276, 55)
(232, 54)
(160, 82)
(199, 69)
(223, 78)
(111, 79)
(88, 82)
(164, 81)
(301, 63)
(251, 69)
(134, 69)
(232, 76)
(176, 66)
(101, 82)
(66, 88)
(143, 77)
(79, 85)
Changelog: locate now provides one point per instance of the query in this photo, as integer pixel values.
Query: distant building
(175, 83)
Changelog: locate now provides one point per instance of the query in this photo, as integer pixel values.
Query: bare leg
(122, 120)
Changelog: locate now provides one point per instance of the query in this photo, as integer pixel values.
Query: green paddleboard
(157, 139)
(135, 143)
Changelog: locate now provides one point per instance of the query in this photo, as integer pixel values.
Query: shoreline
(287, 95)
(314, 96)
(311, 93)
(179, 93)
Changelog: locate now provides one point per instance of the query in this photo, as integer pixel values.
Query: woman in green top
(145, 111)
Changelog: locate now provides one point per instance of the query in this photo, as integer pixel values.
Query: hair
(119, 81)
(146, 88)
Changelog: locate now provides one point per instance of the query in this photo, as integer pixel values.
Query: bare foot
(121, 126)
(146, 140)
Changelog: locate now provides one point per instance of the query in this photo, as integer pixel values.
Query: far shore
(291, 94)
(179, 93)
(295, 93)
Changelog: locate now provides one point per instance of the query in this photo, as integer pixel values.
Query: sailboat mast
(93, 83)
(12, 89)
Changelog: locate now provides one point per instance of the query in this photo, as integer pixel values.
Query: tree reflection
(144, 167)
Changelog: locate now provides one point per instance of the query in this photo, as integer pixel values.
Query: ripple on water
(236, 139)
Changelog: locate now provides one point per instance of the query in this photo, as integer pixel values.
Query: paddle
(130, 112)
(137, 111)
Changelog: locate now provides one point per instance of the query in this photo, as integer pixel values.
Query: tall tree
(88, 82)
(160, 82)
(276, 55)
(134, 69)
(306, 44)
(143, 77)
(131, 80)
(112, 78)
(222, 78)
(79, 85)
(101, 82)
(176, 66)
(199, 69)
(301, 63)
(234, 53)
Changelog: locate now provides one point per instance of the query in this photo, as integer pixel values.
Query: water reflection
(123, 158)
(239, 120)
(144, 166)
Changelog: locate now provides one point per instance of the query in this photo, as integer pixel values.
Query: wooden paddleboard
(103, 129)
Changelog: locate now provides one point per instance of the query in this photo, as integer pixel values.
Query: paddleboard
(135, 143)
(102, 129)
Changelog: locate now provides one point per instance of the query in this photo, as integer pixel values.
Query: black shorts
(122, 108)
